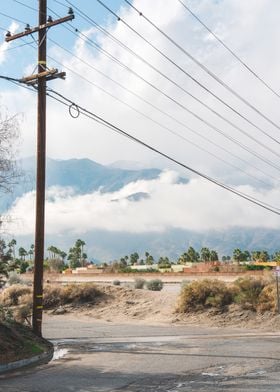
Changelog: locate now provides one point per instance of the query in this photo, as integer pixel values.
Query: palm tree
(80, 246)
(22, 253)
(12, 245)
(205, 254)
(31, 251)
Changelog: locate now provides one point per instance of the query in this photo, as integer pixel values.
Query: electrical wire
(117, 129)
(169, 116)
(82, 36)
(238, 58)
(174, 132)
(185, 126)
(273, 165)
(197, 62)
(17, 46)
(197, 116)
(100, 120)
(13, 18)
(92, 43)
(104, 31)
(114, 59)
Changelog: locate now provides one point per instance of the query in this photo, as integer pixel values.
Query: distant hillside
(108, 245)
(83, 175)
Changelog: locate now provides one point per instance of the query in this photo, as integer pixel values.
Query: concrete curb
(34, 361)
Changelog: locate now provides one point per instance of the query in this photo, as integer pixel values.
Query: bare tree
(9, 133)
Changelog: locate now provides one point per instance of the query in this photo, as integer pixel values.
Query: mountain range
(82, 175)
(85, 176)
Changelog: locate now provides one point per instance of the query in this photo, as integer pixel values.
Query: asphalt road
(99, 357)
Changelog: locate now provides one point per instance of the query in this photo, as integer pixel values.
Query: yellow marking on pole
(42, 62)
(39, 296)
(39, 307)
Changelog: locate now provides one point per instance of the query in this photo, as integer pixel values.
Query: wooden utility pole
(44, 74)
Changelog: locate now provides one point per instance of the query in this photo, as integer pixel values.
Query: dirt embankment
(126, 305)
(18, 342)
(122, 304)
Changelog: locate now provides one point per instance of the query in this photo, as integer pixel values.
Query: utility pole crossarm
(44, 26)
(39, 75)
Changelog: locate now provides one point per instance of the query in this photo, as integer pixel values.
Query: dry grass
(204, 294)
(258, 295)
(11, 296)
(71, 294)
(248, 292)
(54, 296)
(268, 299)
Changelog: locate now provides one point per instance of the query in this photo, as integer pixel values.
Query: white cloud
(4, 46)
(197, 206)
(240, 23)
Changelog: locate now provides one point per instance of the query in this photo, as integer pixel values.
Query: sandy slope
(125, 305)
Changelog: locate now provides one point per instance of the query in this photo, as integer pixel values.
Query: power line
(219, 131)
(26, 6)
(229, 49)
(270, 163)
(159, 110)
(13, 18)
(104, 31)
(81, 110)
(108, 124)
(82, 36)
(114, 59)
(197, 62)
(92, 43)
(174, 132)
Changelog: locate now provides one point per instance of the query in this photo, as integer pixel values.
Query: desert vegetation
(18, 298)
(258, 295)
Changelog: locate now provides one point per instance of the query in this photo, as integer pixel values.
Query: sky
(94, 81)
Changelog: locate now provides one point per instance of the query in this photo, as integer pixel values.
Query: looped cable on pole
(74, 110)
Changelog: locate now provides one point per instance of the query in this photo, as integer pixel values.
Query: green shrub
(203, 294)
(154, 285)
(249, 290)
(116, 282)
(252, 267)
(139, 283)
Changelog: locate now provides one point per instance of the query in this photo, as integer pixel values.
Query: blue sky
(20, 57)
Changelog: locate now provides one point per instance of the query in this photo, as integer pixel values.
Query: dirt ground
(127, 305)
(18, 342)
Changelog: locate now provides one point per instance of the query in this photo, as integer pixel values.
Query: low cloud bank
(196, 206)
